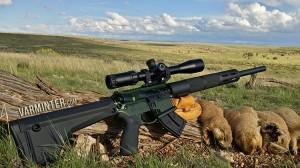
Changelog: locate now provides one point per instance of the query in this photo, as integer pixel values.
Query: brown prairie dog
(244, 125)
(276, 137)
(213, 120)
(292, 120)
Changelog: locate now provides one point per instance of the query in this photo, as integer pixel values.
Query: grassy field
(75, 63)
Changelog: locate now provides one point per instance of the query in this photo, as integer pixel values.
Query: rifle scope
(157, 73)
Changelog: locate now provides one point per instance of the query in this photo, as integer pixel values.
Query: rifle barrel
(252, 71)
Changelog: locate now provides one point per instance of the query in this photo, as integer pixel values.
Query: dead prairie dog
(213, 120)
(276, 137)
(187, 108)
(292, 120)
(244, 125)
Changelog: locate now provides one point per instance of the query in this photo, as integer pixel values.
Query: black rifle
(39, 137)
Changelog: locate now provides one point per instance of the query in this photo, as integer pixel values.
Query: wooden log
(16, 93)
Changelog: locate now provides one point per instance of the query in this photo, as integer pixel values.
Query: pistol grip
(129, 139)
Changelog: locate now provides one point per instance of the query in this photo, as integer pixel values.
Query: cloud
(62, 13)
(248, 21)
(116, 19)
(273, 3)
(73, 21)
(252, 18)
(170, 21)
(5, 2)
(116, 23)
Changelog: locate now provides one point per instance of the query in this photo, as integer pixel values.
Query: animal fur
(213, 121)
(187, 108)
(274, 130)
(244, 125)
(292, 120)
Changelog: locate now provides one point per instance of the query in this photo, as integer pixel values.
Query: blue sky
(265, 22)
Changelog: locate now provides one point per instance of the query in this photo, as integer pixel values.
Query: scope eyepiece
(157, 73)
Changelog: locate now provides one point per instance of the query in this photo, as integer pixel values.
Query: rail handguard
(40, 137)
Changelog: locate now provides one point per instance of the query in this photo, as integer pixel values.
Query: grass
(8, 158)
(184, 159)
(75, 63)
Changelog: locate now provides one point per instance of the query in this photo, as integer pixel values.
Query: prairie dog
(187, 108)
(213, 120)
(244, 125)
(292, 120)
(276, 137)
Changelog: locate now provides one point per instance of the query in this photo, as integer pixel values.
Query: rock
(86, 144)
(224, 156)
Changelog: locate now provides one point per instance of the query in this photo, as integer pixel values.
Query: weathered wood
(16, 92)
(275, 81)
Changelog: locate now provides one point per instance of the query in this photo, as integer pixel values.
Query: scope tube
(132, 77)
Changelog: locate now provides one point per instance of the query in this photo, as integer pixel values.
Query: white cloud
(73, 21)
(5, 2)
(116, 19)
(27, 27)
(239, 19)
(116, 23)
(170, 21)
(295, 3)
(253, 18)
(273, 3)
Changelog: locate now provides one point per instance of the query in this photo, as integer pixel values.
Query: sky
(262, 22)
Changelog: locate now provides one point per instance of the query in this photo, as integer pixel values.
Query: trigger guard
(148, 118)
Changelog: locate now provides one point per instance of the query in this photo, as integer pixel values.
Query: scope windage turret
(156, 73)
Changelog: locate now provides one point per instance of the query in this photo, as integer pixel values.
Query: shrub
(47, 52)
(24, 65)
(248, 54)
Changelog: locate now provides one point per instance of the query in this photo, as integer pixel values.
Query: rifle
(39, 137)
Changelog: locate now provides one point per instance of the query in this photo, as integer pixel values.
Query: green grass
(82, 64)
(69, 158)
